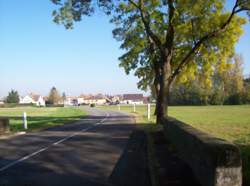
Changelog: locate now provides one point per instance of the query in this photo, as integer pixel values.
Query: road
(81, 153)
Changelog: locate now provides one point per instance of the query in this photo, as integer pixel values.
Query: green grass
(231, 123)
(228, 122)
(40, 118)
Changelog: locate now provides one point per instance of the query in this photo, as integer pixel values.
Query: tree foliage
(64, 97)
(227, 87)
(167, 40)
(13, 97)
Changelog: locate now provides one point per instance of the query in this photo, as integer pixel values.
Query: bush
(92, 105)
(216, 98)
(235, 99)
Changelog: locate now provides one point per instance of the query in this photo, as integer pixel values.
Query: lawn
(227, 122)
(40, 118)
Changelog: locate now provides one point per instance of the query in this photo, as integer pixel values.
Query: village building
(37, 100)
(132, 99)
(98, 99)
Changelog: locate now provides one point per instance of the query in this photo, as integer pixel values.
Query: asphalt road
(78, 154)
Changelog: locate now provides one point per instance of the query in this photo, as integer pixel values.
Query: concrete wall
(4, 125)
(215, 162)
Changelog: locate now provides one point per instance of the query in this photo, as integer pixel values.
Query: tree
(234, 81)
(64, 97)
(246, 94)
(226, 87)
(54, 96)
(13, 97)
(166, 40)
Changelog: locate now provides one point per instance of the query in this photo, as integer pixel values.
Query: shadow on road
(85, 159)
(93, 158)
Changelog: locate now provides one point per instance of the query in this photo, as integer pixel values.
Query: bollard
(25, 125)
(149, 112)
(134, 108)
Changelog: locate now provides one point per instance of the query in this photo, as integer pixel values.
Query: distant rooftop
(133, 97)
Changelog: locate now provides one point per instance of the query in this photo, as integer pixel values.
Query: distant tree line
(227, 87)
(54, 97)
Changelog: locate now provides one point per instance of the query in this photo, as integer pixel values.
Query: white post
(149, 112)
(119, 107)
(134, 107)
(25, 125)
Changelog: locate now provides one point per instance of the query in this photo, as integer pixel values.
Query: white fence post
(134, 108)
(25, 124)
(149, 114)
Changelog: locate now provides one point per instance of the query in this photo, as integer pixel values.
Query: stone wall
(215, 162)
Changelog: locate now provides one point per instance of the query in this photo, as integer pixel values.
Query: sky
(36, 54)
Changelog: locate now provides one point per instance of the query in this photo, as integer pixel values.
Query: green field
(40, 118)
(227, 122)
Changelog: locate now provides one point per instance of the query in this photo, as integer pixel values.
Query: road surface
(77, 154)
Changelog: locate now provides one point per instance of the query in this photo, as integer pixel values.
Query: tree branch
(210, 35)
(146, 23)
(169, 41)
(170, 30)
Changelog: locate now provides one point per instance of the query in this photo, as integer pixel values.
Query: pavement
(77, 154)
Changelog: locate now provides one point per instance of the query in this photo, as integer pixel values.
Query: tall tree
(166, 40)
(247, 90)
(64, 97)
(13, 97)
(54, 96)
(233, 81)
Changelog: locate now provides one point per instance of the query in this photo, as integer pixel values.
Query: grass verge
(231, 123)
(40, 118)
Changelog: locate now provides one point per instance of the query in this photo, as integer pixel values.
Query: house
(145, 100)
(98, 99)
(80, 100)
(1, 102)
(132, 99)
(116, 99)
(32, 99)
(70, 100)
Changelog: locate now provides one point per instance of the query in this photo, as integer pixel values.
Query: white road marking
(53, 144)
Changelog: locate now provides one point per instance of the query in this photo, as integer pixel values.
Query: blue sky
(36, 54)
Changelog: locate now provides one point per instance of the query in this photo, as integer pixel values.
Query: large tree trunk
(163, 95)
(156, 87)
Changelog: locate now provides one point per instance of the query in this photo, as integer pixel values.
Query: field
(40, 118)
(227, 122)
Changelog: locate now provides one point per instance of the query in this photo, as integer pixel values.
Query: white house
(1, 102)
(132, 99)
(32, 99)
(80, 100)
(70, 100)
